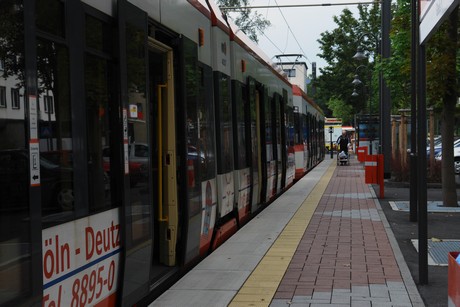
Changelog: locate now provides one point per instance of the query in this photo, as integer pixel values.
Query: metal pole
(422, 194)
(413, 115)
(369, 119)
(385, 107)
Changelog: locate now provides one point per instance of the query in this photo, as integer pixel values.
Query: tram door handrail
(160, 87)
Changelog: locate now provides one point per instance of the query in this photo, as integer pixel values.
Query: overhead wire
(287, 37)
(289, 28)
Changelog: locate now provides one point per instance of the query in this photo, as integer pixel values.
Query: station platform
(324, 242)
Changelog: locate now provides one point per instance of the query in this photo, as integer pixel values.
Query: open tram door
(163, 140)
(148, 212)
(255, 96)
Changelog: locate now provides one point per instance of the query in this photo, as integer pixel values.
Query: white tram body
(138, 137)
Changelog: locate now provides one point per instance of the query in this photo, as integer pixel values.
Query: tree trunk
(449, 193)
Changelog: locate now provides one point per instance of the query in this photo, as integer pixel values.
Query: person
(343, 142)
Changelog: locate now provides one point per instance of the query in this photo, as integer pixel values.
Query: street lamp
(359, 56)
(357, 82)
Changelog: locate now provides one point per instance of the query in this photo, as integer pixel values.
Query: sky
(305, 24)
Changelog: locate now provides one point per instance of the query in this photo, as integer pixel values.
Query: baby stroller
(342, 155)
(343, 158)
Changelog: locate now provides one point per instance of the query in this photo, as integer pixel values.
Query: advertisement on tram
(78, 269)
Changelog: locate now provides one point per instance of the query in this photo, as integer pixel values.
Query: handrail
(160, 155)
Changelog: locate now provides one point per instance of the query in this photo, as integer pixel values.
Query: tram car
(136, 137)
(308, 123)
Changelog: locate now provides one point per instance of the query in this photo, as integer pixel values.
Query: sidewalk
(327, 241)
(441, 226)
(348, 255)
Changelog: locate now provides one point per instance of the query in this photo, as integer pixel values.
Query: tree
(397, 68)
(251, 23)
(340, 109)
(442, 71)
(442, 54)
(338, 47)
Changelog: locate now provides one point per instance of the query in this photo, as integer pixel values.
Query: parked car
(456, 156)
(56, 182)
(138, 162)
(437, 146)
(457, 159)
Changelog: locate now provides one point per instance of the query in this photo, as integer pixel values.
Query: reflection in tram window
(55, 131)
(225, 135)
(50, 16)
(98, 132)
(138, 131)
(206, 136)
(98, 35)
(15, 265)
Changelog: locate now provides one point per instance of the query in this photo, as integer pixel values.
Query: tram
(136, 137)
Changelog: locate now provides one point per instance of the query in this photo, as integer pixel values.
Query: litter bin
(453, 283)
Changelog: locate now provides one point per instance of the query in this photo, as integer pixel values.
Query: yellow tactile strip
(260, 287)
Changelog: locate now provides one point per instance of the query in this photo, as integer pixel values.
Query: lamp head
(359, 55)
(356, 81)
(355, 93)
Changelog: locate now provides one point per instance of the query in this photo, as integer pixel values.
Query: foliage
(11, 41)
(340, 109)
(397, 68)
(251, 23)
(338, 48)
(439, 63)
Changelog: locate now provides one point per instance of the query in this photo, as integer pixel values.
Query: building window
(290, 72)
(2, 97)
(15, 98)
(49, 104)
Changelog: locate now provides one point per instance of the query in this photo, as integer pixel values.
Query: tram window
(206, 143)
(224, 121)
(50, 16)
(55, 132)
(268, 129)
(98, 133)
(241, 103)
(98, 34)
(138, 132)
(15, 248)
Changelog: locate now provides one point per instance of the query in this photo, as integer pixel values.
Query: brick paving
(345, 257)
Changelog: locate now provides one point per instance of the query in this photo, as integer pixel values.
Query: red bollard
(453, 284)
(370, 169)
(373, 172)
(362, 153)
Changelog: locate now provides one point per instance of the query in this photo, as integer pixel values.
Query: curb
(412, 290)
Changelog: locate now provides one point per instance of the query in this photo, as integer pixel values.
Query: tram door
(256, 149)
(163, 142)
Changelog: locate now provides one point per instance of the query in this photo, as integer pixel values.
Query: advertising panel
(81, 261)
